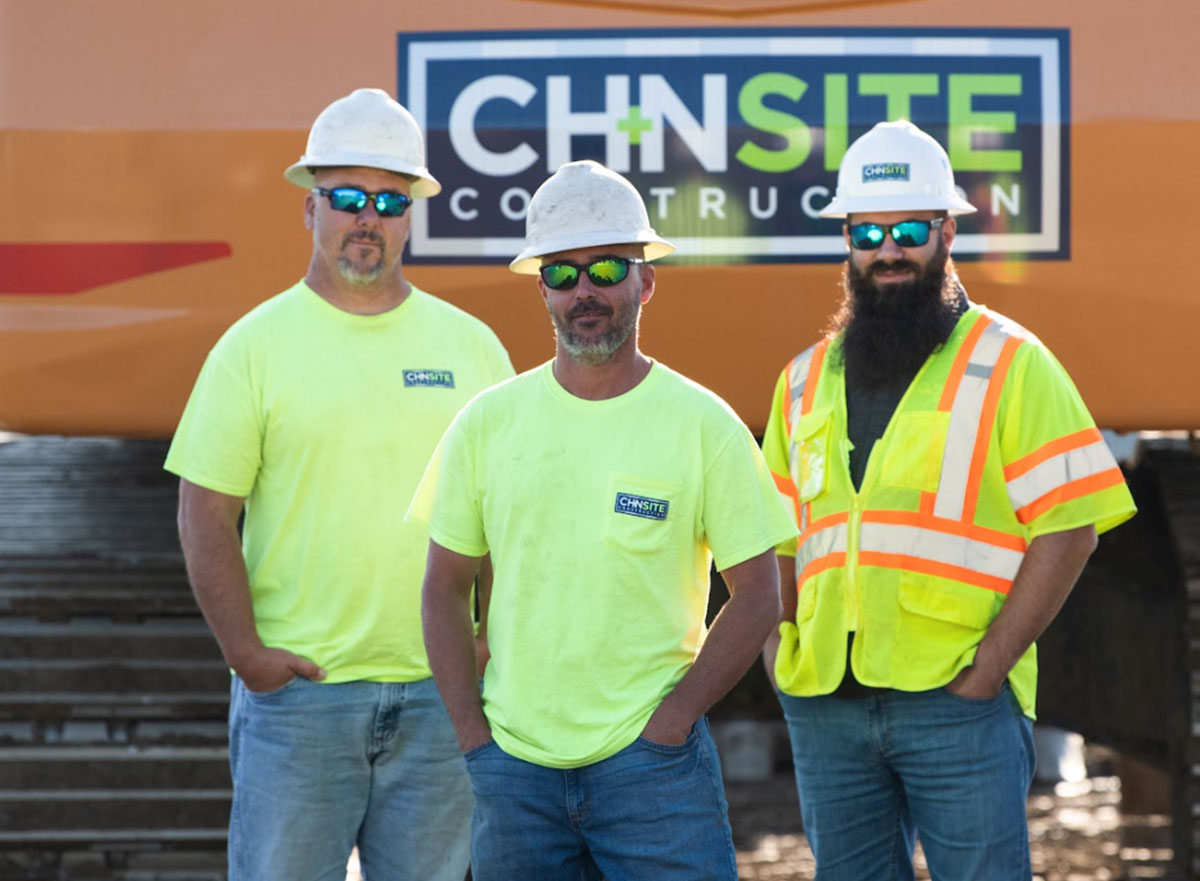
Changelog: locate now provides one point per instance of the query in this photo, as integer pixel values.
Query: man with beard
(604, 484)
(948, 484)
(317, 413)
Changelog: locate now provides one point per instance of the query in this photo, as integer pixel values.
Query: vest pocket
(913, 457)
(810, 451)
(944, 600)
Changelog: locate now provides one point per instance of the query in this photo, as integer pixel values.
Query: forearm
(447, 625)
(217, 572)
(735, 639)
(1047, 575)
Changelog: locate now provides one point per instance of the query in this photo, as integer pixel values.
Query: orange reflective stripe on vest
(1067, 468)
(823, 546)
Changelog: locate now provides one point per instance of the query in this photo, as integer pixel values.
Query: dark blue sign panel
(734, 137)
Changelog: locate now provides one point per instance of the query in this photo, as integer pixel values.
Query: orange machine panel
(142, 149)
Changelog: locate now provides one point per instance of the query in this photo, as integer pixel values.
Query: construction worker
(317, 413)
(604, 484)
(948, 484)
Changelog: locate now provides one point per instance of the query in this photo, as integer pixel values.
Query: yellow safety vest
(920, 560)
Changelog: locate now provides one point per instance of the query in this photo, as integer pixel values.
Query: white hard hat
(896, 167)
(581, 205)
(366, 128)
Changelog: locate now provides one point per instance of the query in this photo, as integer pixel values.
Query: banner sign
(733, 137)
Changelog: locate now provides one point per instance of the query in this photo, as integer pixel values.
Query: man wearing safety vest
(604, 484)
(948, 484)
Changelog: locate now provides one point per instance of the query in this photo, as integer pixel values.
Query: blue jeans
(649, 812)
(319, 768)
(874, 772)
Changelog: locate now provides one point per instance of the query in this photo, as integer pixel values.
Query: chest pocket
(913, 457)
(809, 455)
(641, 513)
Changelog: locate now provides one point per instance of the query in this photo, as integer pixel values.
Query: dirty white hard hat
(896, 167)
(369, 129)
(583, 205)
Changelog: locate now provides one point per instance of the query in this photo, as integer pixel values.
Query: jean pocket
(263, 695)
(670, 749)
(977, 701)
(477, 751)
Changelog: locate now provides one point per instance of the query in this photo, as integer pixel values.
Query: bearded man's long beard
(890, 330)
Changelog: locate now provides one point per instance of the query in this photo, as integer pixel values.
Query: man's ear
(949, 230)
(647, 272)
(310, 210)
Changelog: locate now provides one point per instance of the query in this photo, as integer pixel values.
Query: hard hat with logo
(896, 167)
(366, 128)
(582, 205)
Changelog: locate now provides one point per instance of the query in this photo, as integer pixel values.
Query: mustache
(898, 265)
(364, 236)
(587, 308)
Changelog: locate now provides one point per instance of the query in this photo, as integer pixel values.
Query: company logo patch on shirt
(879, 171)
(429, 378)
(640, 506)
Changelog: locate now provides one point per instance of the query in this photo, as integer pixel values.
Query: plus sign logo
(734, 136)
(633, 125)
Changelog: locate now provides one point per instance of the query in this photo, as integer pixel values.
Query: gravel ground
(1076, 830)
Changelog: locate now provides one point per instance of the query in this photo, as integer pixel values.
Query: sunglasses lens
(391, 204)
(559, 276)
(607, 272)
(911, 233)
(866, 236)
(347, 199)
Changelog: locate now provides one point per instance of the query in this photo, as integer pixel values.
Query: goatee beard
(889, 330)
(351, 269)
(597, 350)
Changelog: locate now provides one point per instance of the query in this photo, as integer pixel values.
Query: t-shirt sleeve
(775, 453)
(1059, 472)
(499, 363)
(743, 512)
(218, 443)
(447, 501)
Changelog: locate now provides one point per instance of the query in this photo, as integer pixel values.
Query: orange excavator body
(142, 147)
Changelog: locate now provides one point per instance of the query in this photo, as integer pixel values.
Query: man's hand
(668, 732)
(974, 683)
(472, 736)
(268, 669)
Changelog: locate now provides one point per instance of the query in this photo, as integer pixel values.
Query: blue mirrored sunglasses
(353, 200)
(906, 233)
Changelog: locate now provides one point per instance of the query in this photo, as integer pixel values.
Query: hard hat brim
(952, 205)
(425, 185)
(529, 261)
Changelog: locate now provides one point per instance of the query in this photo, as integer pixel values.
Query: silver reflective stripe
(941, 547)
(965, 414)
(1057, 471)
(797, 380)
(822, 543)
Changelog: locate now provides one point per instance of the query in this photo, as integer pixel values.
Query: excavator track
(113, 695)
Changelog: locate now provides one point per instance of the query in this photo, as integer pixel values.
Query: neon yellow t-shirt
(602, 518)
(324, 421)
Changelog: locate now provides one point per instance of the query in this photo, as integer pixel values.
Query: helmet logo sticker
(878, 171)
